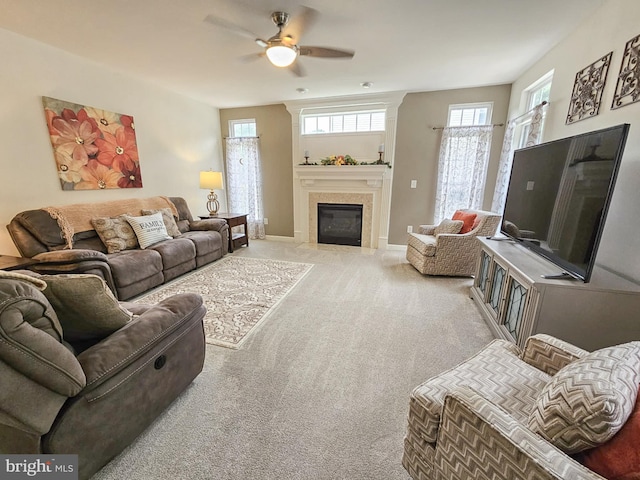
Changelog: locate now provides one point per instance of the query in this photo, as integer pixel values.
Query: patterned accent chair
(450, 254)
(508, 413)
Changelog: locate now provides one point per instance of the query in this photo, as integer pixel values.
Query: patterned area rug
(238, 292)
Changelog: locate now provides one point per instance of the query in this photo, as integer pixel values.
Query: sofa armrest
(125, 346)
(75, 261)
(70, 256)
(550, 354)
(217, 224)
(483, 441)
(426, 229)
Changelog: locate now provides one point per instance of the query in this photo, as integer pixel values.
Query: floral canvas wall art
(94, 149)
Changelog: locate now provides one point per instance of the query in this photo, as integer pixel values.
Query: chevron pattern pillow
(588, 401)
(448, 226)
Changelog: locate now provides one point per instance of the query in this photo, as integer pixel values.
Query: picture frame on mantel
(94, 149)
(587, 90)
(628, 84)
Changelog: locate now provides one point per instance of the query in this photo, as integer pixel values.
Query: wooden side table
(8, 262)
(236, 239)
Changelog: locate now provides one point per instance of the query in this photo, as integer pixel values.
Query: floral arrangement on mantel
(344, 160)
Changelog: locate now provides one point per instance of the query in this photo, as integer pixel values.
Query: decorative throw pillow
(467, 218)
(619, 458)
(149, 229)
(168, 219)
(448, 226)
(115, 233)
(588, 401)
(85, 306)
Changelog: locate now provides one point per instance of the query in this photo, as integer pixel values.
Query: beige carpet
(239, 294)
(321, 390)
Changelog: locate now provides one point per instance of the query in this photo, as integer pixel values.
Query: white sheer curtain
(462, 169)
(244, 182)
(534, 135)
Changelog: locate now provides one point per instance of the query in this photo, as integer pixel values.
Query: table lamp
(210, 181)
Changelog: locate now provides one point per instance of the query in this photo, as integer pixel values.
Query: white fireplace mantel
(371, 175)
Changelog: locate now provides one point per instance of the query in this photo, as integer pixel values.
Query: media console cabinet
(516, 301)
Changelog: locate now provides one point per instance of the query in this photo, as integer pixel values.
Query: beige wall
(417, 148)
(177, 137)
(273, 123)
(607, 30)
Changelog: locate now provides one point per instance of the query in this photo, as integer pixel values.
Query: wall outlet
(530, 185)
(266, 221)
(414, 183)
(409, 228)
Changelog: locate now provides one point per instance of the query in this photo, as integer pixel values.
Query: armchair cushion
(448, 226)
(588, 401)
(424, 244)
(496, 373)
(467, 218)
(85, 306)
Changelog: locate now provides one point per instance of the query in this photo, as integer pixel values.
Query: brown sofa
(37, 234)
(89, 392)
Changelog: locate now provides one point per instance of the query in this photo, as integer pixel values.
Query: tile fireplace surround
(366, 185)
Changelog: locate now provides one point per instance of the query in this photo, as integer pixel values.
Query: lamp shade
(281, 56)
(211, 180)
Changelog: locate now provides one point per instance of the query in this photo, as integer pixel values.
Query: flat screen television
(558, 196)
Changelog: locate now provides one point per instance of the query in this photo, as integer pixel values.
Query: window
(534, 95)
(463, 159)
(469, 114)
(242, 128)
(318, 124)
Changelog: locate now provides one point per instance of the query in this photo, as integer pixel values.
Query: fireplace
(340, 224)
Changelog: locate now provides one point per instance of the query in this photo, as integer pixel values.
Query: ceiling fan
(283, 49)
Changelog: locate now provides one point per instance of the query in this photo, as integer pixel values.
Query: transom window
(242, 128)
(470, 114)
(318, 124)
(536, 94)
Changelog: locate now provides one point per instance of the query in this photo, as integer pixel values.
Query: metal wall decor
(628, 86)
(587, 90)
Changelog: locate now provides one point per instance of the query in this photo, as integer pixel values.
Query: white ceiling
(412, 45)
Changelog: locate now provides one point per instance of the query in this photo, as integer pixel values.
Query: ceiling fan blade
(326, 52)
(251, 57)
(300, 23)
(297, 69)
(232, 27)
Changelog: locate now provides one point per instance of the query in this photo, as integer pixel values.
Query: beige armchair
(449, 254)
(512, 414)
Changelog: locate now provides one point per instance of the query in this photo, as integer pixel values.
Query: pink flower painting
(94, 149)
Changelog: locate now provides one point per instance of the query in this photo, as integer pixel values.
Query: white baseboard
(279, 238)
(396, 247)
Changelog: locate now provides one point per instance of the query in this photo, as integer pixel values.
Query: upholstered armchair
(512, 414)
(433, 252)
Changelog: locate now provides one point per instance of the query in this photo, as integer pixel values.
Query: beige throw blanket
(77, 217)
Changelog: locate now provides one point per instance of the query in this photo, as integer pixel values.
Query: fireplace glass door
(340, 224)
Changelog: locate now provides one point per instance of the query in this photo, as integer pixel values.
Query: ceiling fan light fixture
(281, 56)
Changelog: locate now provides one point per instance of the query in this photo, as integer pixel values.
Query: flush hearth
(340, 224)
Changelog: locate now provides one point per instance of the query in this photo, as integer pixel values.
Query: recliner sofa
(90, 397)
(37, 234)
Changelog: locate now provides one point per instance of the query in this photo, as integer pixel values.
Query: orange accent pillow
(467, 219)
(619, 458)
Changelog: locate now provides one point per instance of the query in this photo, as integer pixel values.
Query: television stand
(517, 301)
(560, 276)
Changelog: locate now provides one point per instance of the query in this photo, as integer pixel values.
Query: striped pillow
(149, 229)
